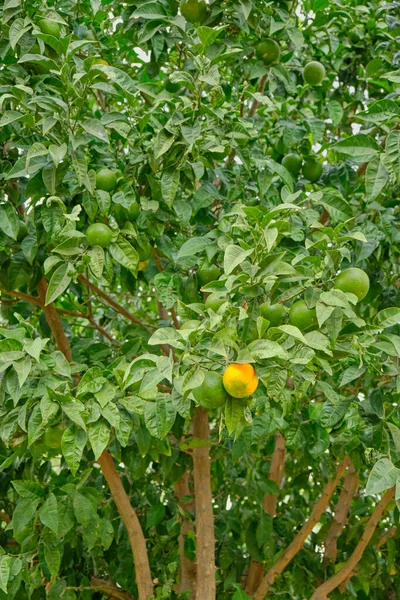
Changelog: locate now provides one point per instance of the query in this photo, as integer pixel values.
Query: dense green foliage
(170, 135)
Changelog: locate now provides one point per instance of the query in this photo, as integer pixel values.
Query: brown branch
(270, 501)
(118, 493)
(386, 536)
(296, 545)
(205, 540)
(321, 593)
(187, 568)
(110, 589)
(114, 304)
(350, 486)
(91, 320)
(175, 319)
(5, 518)
(260, 90)
(21, 296)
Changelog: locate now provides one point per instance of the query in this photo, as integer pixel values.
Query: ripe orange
(239, 380)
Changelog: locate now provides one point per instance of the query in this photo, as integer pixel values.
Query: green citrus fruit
(207, 274)
(292, 162)
(211, 393)
(314, 72)
(274, 313)
(268, 51)
(171, 87)
(98, 234)
(52, 437)
(301, 316)
(214, 301)
(312, 169)
(50, 27)
(193, 11)
(353, 280)
(101, 61)
(191, 324)
(106, 180)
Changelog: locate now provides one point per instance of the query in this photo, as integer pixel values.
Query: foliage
(195, 127)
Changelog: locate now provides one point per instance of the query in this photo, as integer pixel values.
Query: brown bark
(270, 501)
(131, 521)
(386, 536)
(350, 486)
(260, 90)
(297, 544)
(109, 589)
(321, 593)
(187, 568)
(205, 540)
(120, 497)
(21, 296)
(114, 304)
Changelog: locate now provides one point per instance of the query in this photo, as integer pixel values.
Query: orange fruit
(239, 380)
(314, 72)
(353, 280)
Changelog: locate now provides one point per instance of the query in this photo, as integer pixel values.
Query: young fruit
(312, 169)
(301, 316)
(211, 393)
(314, 72)
(292, 162)
(98, 234)
(101, 61)
(207, 274)
(274, 313)
(193, 11)
(353, 280)
(171, 87)
(214, 301)
(240, 381)
(106, 180)
(50, 27)
(268, 51)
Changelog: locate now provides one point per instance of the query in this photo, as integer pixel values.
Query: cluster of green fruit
(311, 168)
(239, 381)
(269, 52)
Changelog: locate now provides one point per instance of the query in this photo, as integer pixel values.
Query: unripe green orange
(301, 316)
(106, 180)
(292, 162)
(268, 51)
(312, 169)
(211, 393)
(353, 280)
(274, 313)
(314, 72)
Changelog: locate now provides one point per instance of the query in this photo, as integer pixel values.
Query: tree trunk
(120, 497)
(321, 593)
(270, 501)
(350, 486)
(205, 541)
(302, 535)
(187, 568)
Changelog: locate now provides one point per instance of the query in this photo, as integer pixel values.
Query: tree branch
(321, 593)
(110, 589)
(205, 540)
(270, 501)
(386, 536)
(22, 296)
(298, 542)
(114, 304)
(187, 568)
(91, 320)
(350, 486)
(120, 497)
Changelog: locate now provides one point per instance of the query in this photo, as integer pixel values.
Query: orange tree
(199, 277)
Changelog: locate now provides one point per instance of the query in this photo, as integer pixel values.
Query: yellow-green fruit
(99, 234)
(268, 51)
(101, 61)
(314, 72)
(211, 393)
(207, 274)
(274, 313)
(50, 27)
(312, 169)
(193, 11)
(292, 162)
(214, 301)
(301, 316)
(353, 280)
(53, 435)
(106, 180)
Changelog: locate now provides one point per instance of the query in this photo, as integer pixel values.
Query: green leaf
(169, 185)
(95, 128)
(263, 349)
(194, 245)
(72, 445)
(382, 477)
(234, 256)
(379, 111)
(360, 147)
(5, 563)
(150, 10)
(9, 222)
(167, 335)
(99, 436)
(159, 416)
(334, 410)
(122, 79)
(240, 595)
(387, 318)
(282, 172)
(10, 116)
(48, 513)
(52, 557)
(125, 254)
(376, 177)
(392, 153)
(58, 283)
(233, 413)
(16, 31)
